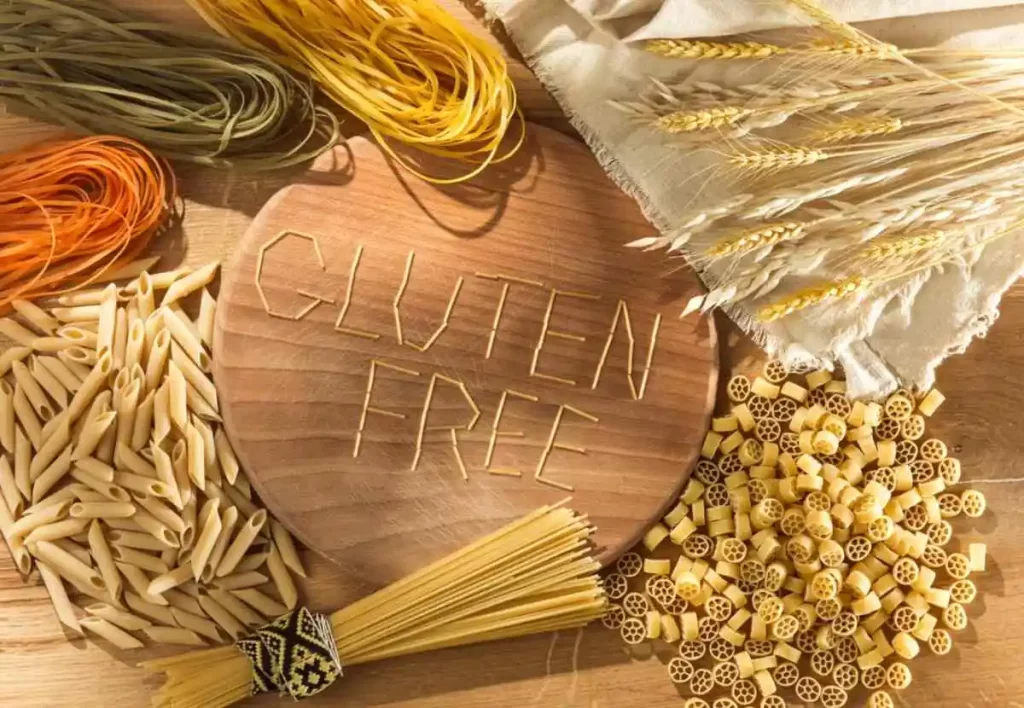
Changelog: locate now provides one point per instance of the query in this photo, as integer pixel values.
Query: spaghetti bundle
(534, 575)
(406, 68)
(88, 66)
(72, 211)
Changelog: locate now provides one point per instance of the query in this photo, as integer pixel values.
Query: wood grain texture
(292, 392)
(39, 668)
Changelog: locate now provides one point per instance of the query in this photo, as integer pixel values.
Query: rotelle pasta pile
(116, 481)
(810, 551)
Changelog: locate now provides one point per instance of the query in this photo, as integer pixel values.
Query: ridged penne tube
(102, 510)
(33, 391)
(226, 456)
(120, 618)
(126, 404)
(186, 339)
(67, 565)
(187, 284)
(243, 539)
(49, 383)
(264, 604)
(159, 281)
(209, 450)
(34, 518)
(90, 387)
(107, 317)
(207, 316)
(138, 539)
(170, 579)
(148, 562)
(161, 414)
(238, 609)
(9, 488)
(179, 460)
(282, 579)
(165, 515)
(51, 475)
(36, 316)
(16, 332)
(196, 456)
(16, 544)
(242, 580)
(77, 337)
(143, 485)
(165, 474)
(102, 555)
(199, 405)
(183, 601)
(92, 433)
(80, 356)
(195, 623)
(174, 635)
(57, 530)
(235, 629)
(156, 362)
(177, 397)
(286, 547)
(144, 295)
(194, 376)
(62, 606)
(143, 426)
(8, 419)
(209, 529)
(245, 507)
(26, 416)
(120, 346)
(228, 520)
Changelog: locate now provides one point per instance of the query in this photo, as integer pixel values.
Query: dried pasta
(810, 547)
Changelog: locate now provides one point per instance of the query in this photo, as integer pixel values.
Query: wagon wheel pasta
(814, 546)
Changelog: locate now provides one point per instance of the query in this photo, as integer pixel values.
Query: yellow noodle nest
(808, 552)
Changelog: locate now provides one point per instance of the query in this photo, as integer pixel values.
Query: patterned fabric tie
(294, 654)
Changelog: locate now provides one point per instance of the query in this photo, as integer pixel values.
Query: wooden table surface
(985, 390)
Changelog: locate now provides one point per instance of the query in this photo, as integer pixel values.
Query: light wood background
(981, 421)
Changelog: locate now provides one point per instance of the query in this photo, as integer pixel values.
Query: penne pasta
(243, 539)
(78, 368)
(161, 414)
(77, 313)
(126, 404)
(196, 623)
(90, 387)
(143, 485)
(238, 609)
(77, 336)
(57, 530)
(102, 555)
(241, 580)
(8, 419)
(179, 460)
(286, 546)
(281, 579)
(245, 507)
(150, 524)
(143, 602)
(264, 604)
(35, 316)
(53, 387)
(228, 520)
(51, 345)
(164, 514)
(129, 524)
(183, 601)
(174, 635)
(80, 355)
(207, 316)
(67, 565)
(73, 548)
(107, 317)
(22, 463)
(59, 598)
(107, 490)
(33, 391)
(251, 562)
(102, 510)
(196, 456)
(134, 462)
(136, 341)
(11, 355)
(15, 543)
(202, 383)
(198, 405)
(51, 475)
(92, 433)
(61, 372)
(177, 397)
(120, 345)
(140, 559)
(209, 529)
(113, 634)
(209, 448)
(191, 282)
(156, 362)
(143, 427)
(170, 579)
(26, 416)
(130, 270)
(165, 474)
(117, 617)
(9, 488)
(48, 452)
(96, 468)
(226, 456)
(16, 332)
(144, 295)
(140, 540)
(235, 629)
(159, 281)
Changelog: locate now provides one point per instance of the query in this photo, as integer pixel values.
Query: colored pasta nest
(812, 546)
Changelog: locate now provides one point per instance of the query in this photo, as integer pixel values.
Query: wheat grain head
(691, 121)
(748, 240)
(814, 295)
(695, 49)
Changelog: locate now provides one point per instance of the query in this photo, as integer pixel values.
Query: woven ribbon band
(294, 654)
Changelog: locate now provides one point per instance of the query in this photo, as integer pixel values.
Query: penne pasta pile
(116, 480)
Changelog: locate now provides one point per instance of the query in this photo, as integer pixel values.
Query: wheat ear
(748, 240)
(690, 121)
(777, 158)
(691, 49)
(814, 295)
(901, 246)
(854, 128)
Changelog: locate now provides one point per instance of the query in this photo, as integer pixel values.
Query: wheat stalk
(773, 159)
(688, 122)
(854, 128)
(903, 246)
(696, 49)
(748, 240)
(814, 295)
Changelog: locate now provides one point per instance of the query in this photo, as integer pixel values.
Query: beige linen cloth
(587, 53)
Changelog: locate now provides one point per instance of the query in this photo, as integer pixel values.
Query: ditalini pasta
(810, 549)
(116, 479)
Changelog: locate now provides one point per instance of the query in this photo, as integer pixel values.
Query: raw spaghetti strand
(534, 575)
(406, 68)
(71, 211)
(87, 66)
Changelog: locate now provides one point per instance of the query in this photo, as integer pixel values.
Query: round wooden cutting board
(526, 262)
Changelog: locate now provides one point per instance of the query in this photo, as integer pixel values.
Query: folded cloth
(633, 20)
(903, 331)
